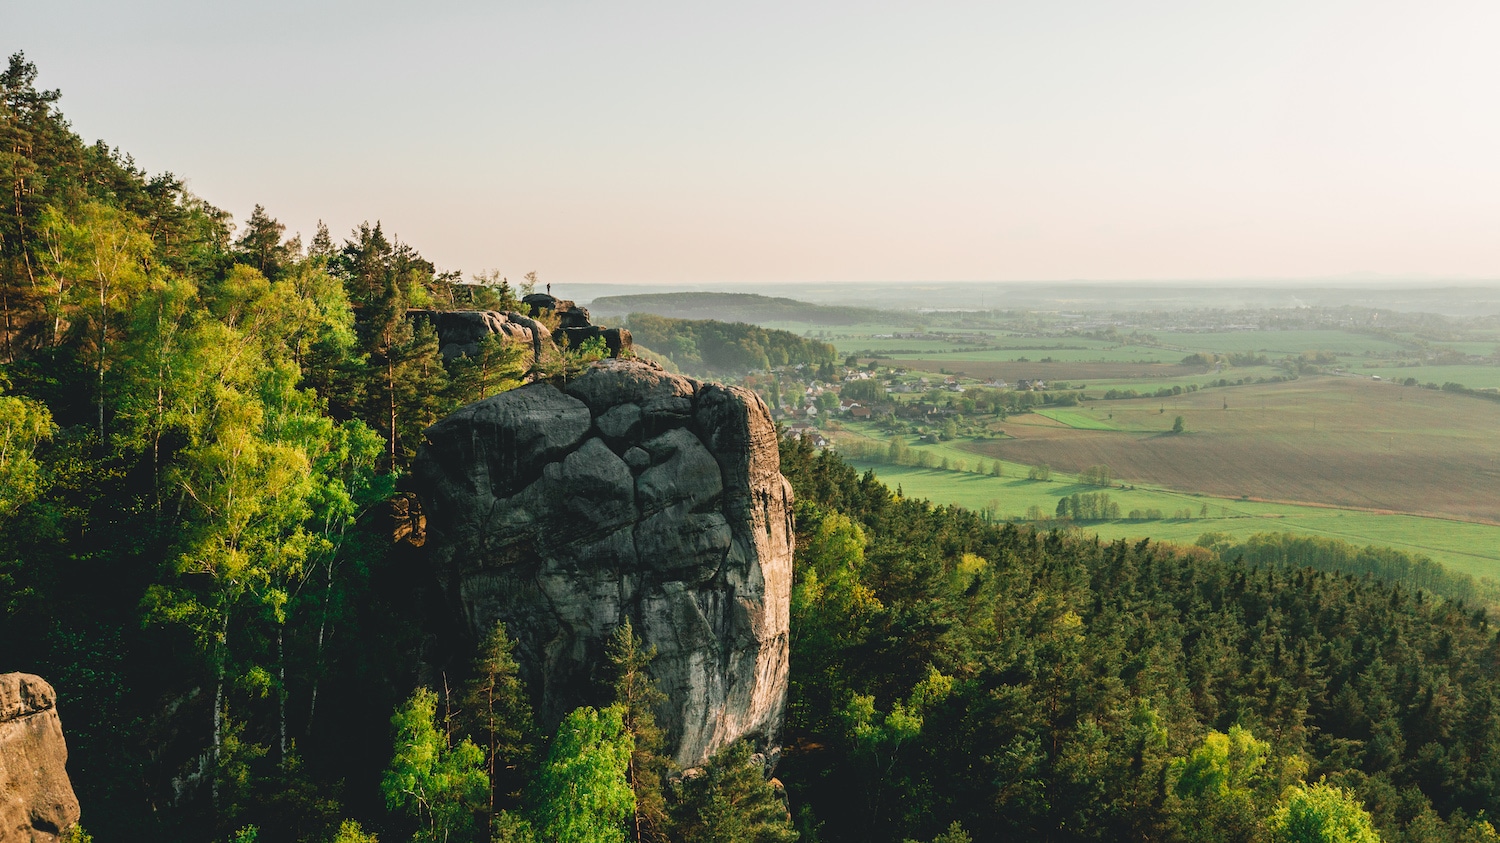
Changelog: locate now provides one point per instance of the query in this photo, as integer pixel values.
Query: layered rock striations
(628, 493)
(36, 799)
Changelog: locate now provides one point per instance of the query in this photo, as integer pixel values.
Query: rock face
(36, 800)
(460, 331)
(629, 493)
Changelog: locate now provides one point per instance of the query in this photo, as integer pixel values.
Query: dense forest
(744, 307)
(711, 347)
(1031, 685)
(200, 427)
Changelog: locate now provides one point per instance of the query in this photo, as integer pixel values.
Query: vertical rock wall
(629, 493)
(36, 799)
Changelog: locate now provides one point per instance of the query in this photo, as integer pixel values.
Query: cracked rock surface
(36, 799)
(628, 493)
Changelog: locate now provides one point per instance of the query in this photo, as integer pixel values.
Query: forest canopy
(712, 347)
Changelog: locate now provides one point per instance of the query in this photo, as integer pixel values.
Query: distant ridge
(740, 307)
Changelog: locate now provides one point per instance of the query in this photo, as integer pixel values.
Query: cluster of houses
(800, 412)
(805, 431)
(950, 384)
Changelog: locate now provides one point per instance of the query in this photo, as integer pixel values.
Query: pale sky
(705, 143)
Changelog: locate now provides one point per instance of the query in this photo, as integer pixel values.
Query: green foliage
(1085, 675)
(1225, 787)
(1177, 425)
(636, 693)
(1088, 506)
(350, 832)
(440, 784)
(497, 716)
(730, 801)
(1324, 554)
(581, 792)
(24, 425)
(1321, 813)
(1096, 475)
(497, 366)
(742, 307)
(725, 347)
(870, 390)
(954, 834)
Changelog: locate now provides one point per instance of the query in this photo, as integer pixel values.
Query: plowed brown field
(1344, 441)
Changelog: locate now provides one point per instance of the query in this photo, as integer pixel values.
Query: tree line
(711, 347)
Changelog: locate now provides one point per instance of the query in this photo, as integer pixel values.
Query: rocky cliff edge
(36, 799)
(628, 493)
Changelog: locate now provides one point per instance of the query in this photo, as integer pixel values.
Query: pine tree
(731, 802)
(497, 715)
(636, 692)
(261, 245)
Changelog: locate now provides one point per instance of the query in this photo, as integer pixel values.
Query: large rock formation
(36, 800)
(628, 493)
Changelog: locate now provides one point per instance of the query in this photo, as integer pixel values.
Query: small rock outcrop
(461, 331)
(36, 799)
(628, 493)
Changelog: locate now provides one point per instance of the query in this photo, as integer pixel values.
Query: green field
(1340, 457)
(1281, 343)
(1463, 546)
(1474, 377)
(1036, 353)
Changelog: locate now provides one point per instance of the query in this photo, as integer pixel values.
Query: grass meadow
(1365, 461)
(1463, 546)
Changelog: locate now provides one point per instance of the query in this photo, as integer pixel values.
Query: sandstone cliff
(36, 800)
(629, 493)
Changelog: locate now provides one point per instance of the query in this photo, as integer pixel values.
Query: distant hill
(740, 307)
(711, 347)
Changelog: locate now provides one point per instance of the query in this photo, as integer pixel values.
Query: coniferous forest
(202, 422)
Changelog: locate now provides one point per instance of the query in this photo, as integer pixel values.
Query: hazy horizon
(684, 145)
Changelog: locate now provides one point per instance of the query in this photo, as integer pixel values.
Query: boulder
(629, 494)
(36, 799)
(574, 336)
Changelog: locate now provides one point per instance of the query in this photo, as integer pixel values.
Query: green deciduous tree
(1222, 785)
(1321, 813)
(96, 258)
(581, 792)
(24, 424)
(440, 784)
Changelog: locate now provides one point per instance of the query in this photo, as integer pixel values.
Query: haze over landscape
(685, 143)
(688, 423)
